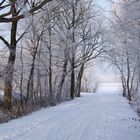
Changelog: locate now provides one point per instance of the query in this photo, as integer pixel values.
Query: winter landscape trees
(53, 51)
(125, 43)
(48, 44)
(12, 12)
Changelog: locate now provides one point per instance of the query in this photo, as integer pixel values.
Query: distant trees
(125, 45)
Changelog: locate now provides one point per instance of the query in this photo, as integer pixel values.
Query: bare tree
(13, 13)
(125, 30)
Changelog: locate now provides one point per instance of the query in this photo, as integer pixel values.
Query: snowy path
(102, 116)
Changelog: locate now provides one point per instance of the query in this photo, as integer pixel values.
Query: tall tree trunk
(30, 84)
(10, 68)
(79, 79)
(72, 88)
(50, 84)
(21, 79)
(123, 85)
(38, 87)
(128, 80)
(62, 79)
(35, 45)
(50, 65)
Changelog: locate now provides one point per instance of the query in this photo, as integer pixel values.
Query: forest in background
(46, 46)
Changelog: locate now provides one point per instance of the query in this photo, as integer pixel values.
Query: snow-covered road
(102, 116)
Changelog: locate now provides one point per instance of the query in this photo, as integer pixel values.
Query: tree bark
(79, 79)
(10, 68)
(72, 88)
(62, 80)
(50, 64)
(21, 78)
(128, 79)
(123, 85)
(30, 84)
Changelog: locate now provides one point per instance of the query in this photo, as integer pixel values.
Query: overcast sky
(103, 3)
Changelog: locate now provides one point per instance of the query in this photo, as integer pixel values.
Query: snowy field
(105, 115)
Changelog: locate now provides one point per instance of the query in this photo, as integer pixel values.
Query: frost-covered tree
(125, 47)
(12, 11)
(53, 43)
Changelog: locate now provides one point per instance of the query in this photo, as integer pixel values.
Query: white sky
(103, 3)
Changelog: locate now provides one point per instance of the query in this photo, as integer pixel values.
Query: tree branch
(31, 11)
(5, 41)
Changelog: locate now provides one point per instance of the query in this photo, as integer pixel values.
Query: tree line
(124, 51)
(48, 45)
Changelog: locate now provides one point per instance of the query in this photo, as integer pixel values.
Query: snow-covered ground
(105, 115)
